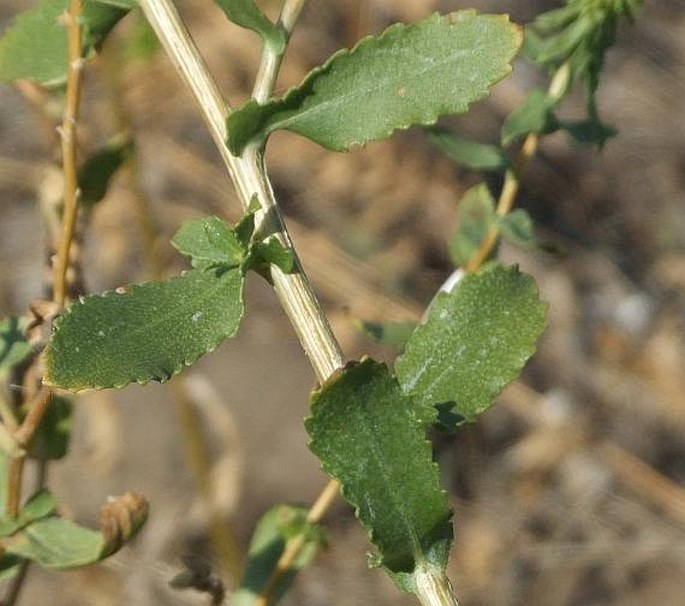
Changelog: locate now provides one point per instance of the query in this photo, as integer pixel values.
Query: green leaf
(14, 348)
(246, 14)
(391, 334)
(270, 252)
(589, 132)
(57, 543)
(144, 332)
(51, 440)
(274, 530)
(517, 227)
(476, 216)
(209, 240)
(466, 152)
(534, 115)
(96, 173)
(409, 75)
(35, 47)
(39, 506)
(476, 340)
(364, 430)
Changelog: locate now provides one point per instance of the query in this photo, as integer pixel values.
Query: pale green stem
(270, 64)
(293, 290)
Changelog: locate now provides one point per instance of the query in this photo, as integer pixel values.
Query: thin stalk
(270, 64)
(14, 474)
(513, 176)
(68, 135)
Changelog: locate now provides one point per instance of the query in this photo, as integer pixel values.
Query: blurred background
(568, 492)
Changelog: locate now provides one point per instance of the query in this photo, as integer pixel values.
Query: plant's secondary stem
(513, 176)
(295, 546)
(270, 64)
(68, 135)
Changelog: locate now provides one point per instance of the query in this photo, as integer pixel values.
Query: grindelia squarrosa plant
(368, 421)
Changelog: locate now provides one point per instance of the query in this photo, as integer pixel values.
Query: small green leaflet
(409, 75)
(14, 347)
(466, 152)
(145, 332)
(39, 506)
(476, 340)
(364, 430)
(35, 46)
(277, 526)
(476, 217)
(534, 115)
(209, 240)
(96, 173)
(246, 14)
(517, 228)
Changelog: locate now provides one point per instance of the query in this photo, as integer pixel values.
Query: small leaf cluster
(145, 332)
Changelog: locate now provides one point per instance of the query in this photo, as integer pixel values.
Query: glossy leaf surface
(409, 75)
(476, 340)
(364, 430)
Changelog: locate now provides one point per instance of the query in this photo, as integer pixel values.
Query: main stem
(293, 290)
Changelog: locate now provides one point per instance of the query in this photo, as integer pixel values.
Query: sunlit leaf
(476, 340)
(209, 240)
(409, 75)
(39, 506)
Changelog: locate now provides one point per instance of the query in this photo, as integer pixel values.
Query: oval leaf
(364, 430)
(466, 152)
(145, 332)
(409, 75)
(476, 340)
(209, 240)
(57, 543)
